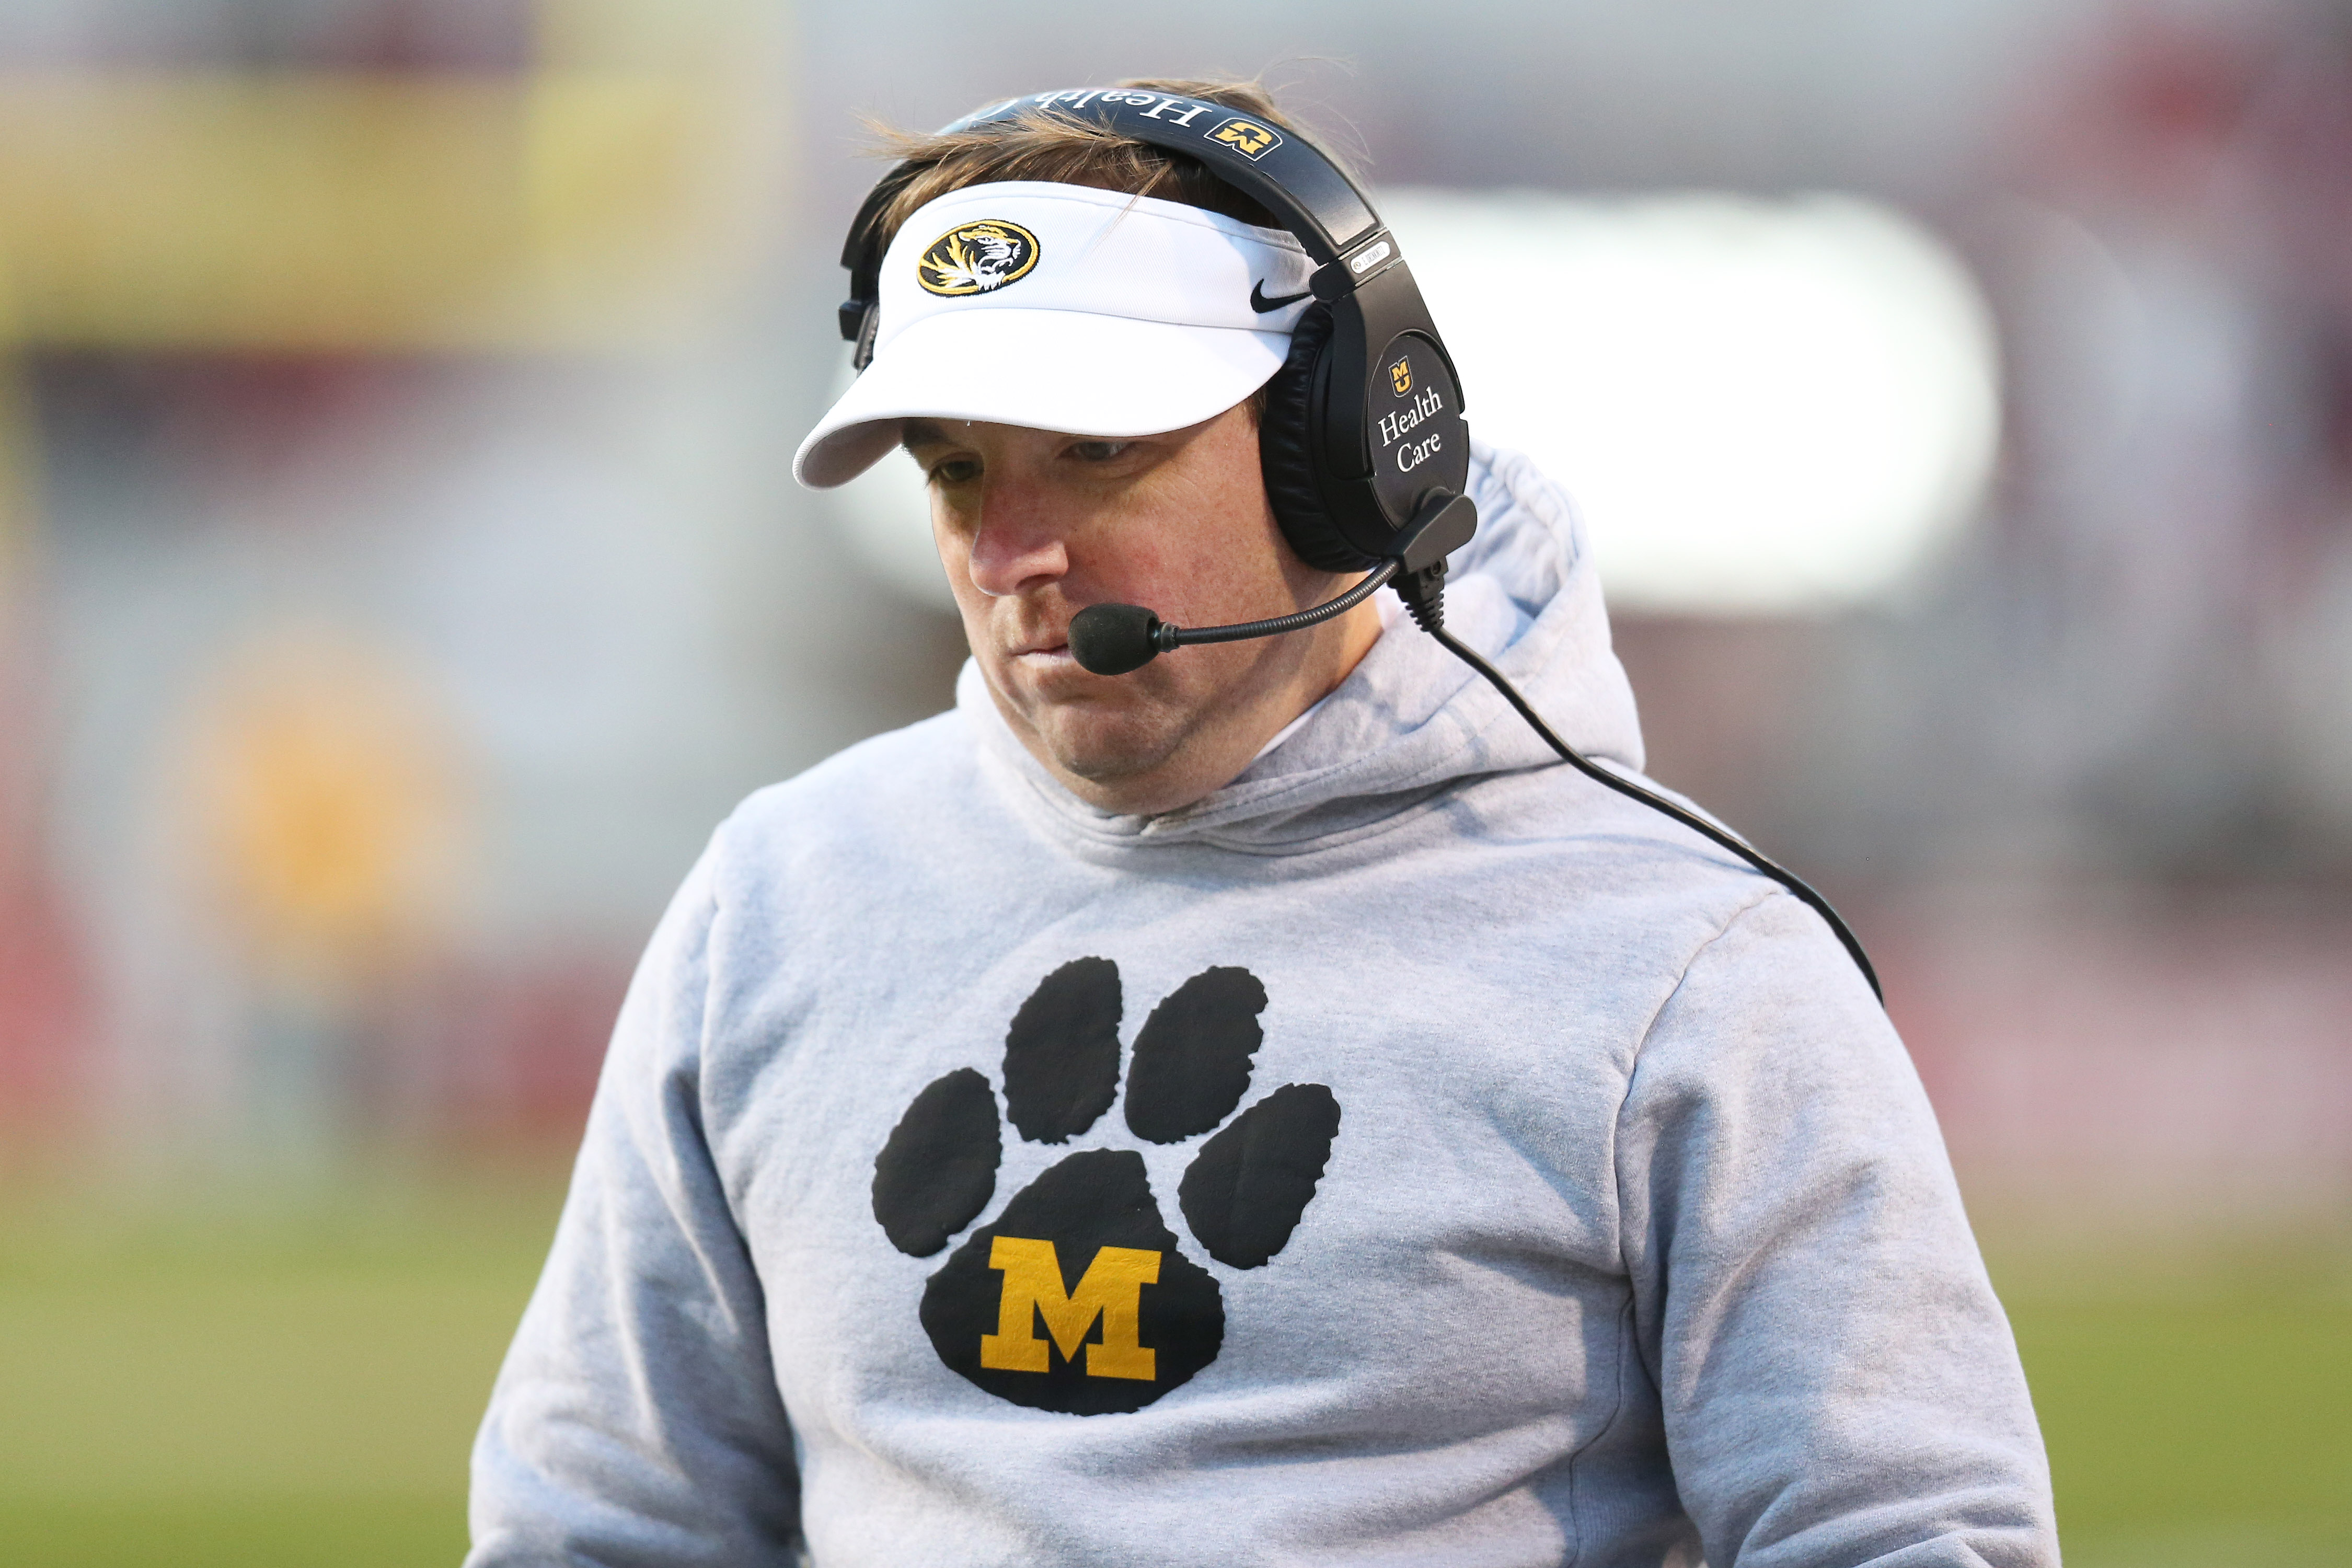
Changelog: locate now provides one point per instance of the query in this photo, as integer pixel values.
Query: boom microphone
(1112, 639)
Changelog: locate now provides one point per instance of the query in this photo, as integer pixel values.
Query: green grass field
(2194, 1401)
(260, 1382)
(253, 1380)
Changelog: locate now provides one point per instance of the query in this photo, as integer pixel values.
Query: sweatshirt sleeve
(1838, 1381)
(636, 1420)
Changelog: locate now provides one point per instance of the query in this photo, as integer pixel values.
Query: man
(1258, 1109)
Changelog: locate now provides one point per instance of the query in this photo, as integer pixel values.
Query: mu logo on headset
(1401, 376)
(1247, 137)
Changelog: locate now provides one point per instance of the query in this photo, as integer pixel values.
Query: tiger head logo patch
(1401, 376)
(1247, 137)
(977, 257)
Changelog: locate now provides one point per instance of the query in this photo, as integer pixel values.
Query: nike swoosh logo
(1261, 304)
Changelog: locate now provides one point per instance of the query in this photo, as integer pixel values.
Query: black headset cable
(1424, 599)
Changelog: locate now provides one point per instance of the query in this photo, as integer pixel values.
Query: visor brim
(1078, 373)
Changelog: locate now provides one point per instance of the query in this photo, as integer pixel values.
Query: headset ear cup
(1287, 453)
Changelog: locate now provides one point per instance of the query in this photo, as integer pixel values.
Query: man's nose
(1017, 546)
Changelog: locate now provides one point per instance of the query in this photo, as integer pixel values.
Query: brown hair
(1044, 144)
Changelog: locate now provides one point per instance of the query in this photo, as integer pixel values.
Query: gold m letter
(1111, 1290)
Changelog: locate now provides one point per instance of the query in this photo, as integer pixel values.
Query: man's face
(1033, 526)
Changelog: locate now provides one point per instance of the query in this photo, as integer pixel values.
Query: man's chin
(1091, 731)
(1108, 744)
(1107, 752)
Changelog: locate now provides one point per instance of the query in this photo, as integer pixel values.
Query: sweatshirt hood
(1410, 719)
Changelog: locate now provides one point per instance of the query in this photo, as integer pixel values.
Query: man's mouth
(1043, 648)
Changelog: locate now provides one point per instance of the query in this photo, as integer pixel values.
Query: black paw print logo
(1077, 1299)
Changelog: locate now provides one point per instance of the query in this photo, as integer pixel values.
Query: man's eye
(956, 471)
(1098, 451)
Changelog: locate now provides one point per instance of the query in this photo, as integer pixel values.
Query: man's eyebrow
(914, 432)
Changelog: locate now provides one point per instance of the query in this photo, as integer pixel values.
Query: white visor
(1063, 308)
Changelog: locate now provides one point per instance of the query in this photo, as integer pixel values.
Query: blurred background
(401, 575)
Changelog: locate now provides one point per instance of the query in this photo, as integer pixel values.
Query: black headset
(1363, 444)
(1364, 421)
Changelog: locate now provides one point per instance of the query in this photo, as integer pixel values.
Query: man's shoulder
(1587, 856)
(881, 786)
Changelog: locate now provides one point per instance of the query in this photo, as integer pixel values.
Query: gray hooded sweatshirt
(1412, 1152)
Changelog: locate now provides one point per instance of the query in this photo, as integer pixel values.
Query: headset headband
(1377, 430)
(1287, 174)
